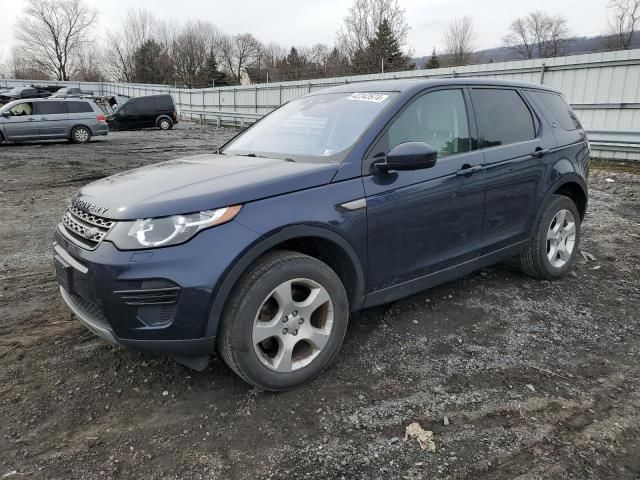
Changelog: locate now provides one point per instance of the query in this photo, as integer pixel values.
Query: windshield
(319, 128)
(14, 90)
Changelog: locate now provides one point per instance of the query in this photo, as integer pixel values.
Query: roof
(414, 84)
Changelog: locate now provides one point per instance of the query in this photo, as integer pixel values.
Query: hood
(201, 182)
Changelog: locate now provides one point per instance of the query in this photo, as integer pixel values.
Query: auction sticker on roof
(368, 97)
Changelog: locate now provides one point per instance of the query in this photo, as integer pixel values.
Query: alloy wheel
(82, 135)
(293, 325)
(561, 238)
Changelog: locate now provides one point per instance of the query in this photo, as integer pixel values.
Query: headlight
(165, 231)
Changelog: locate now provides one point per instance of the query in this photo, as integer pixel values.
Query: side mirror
(409, 156)
(5, 114)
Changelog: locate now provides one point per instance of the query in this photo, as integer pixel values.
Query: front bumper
(155, 300)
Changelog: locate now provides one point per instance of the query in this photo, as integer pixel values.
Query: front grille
(85, 229)
(90, 310)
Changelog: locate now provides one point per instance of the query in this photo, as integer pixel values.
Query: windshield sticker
(368, 97)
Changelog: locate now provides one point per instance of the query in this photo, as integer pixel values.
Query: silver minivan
(42, 119)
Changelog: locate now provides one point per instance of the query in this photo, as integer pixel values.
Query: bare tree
(136, 28)
(52, 33)
(460, 40)
(191, 48)
(538, 35)
(623, 23)
(87, 67)
(237, 52)
(363, 20)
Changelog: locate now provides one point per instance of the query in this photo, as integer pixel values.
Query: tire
(257, 309)
(552, 249)
(80, 135)
(165, 124)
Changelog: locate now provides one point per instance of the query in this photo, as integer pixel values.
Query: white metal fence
(603, 88)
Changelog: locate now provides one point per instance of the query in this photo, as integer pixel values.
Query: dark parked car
(347, 198)
(71, 92)
(145, 112)
(48, 118)
(19, 93)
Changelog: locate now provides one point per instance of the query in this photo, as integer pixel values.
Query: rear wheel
(285, 321)
(80, 135)
(553, 247)
(165, 124)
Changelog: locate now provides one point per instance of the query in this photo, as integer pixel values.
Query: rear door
(514, 142)
(422, 222)
(53, 118)
(22, 122)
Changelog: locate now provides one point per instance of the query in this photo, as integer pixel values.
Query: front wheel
(80, 135)
(553, 247)
(284, 322)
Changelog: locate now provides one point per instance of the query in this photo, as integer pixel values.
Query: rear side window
(79, 107)
(164, 102)
(144, 107)
(50, 108)
(502, 116)
(559, 109)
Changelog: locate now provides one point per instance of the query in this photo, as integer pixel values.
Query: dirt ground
(516, 378)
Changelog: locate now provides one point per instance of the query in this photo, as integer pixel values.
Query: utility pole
(382, 63)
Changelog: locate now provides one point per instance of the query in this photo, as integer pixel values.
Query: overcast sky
(305, 22)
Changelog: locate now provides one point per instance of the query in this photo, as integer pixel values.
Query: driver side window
(22, 109)
(437, 118)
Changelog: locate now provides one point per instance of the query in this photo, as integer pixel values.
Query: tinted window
(29, 91)
(50, 108)
(559, 109)
(164, 102)
(79, 107)
(502, 117)
(144, 107)
(437, 118)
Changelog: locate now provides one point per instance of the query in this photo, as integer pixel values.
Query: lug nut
(284, 331)
(285, 319)
(301, 321)
(295, 313)
(294, 333)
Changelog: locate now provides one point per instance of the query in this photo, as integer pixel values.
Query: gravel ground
(516, 378)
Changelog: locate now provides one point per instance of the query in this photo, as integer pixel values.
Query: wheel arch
(160, 117)
(80, 125)
(318, 242)
(576, 192)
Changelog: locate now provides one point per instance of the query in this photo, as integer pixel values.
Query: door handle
(468, 169)
(540, 152)
(44, 118)
(32, 119)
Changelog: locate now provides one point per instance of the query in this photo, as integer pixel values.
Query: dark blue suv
(350, 197)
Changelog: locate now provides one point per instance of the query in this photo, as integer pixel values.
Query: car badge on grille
(89, 232)
(88, 207)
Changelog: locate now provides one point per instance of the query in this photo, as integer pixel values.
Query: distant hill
(575, 46)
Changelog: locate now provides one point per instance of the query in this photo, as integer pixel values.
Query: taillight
(101, 118)
(173, 115)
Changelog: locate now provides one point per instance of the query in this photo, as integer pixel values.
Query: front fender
(268, 242)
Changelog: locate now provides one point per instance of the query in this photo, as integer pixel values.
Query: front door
(425, 221)
(22, 122)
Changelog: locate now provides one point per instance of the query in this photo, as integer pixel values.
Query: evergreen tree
(212, 75)
(294, 64)
(385, 46)
(152, 63)
(433, 62)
